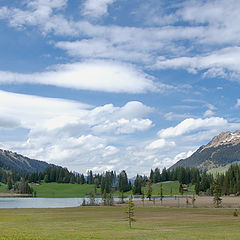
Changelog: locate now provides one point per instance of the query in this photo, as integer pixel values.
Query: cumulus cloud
(9, 123)
(160, 143)
(71, 133)
(97, 76)
(96, 8)
(208, 113)
(109, 151)
(52, 114)
(123, 126)
(182, 155)
(190, 125)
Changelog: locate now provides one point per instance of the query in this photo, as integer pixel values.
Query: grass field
(3, 187)
(110, 223)
(167, 186)
(76, 190)
(63, 190)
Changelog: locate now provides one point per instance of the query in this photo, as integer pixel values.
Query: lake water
(16, 202)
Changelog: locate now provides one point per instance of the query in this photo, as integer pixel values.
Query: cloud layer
(96, 76)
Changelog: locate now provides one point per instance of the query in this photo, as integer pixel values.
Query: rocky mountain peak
(223, 149)
(225, 138)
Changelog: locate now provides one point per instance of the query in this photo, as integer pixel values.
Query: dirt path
(201, 202)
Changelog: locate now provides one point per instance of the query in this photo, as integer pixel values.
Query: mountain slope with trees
(12, 161)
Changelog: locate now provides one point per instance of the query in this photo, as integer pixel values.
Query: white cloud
(220, 63)
(208, 113)
(170, 116)
(123, 126)
(105, 49)
(96, 76)
(9, 122)
(190, 125)
(32, 110)
(64, 132)
(38, 14)
(96, 8)
(109, 151)
(238, 103)
(160, 143)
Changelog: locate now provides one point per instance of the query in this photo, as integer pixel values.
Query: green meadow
(110, 223)
(78, 190)
(63, 190)
(170, 187)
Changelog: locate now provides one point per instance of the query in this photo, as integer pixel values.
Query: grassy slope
(3, 188)
(75, 190)
(62, 190)
(167, 186)
(220, 170)
(110, 223)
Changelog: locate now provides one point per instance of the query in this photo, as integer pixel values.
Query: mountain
(222, 150)
(16, 162)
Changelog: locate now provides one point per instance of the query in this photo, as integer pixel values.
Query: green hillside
(170, 187)
(63, 190)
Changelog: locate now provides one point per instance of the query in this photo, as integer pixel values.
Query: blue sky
(117, 84)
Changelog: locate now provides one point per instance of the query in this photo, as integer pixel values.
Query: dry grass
(201, 202)
(110, 223)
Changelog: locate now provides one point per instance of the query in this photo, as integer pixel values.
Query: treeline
(203, 181)
(181, 174)
(109, 181)
(230, 181)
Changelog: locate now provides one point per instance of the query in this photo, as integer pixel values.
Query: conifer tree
(143, 197)
(217, 192)
(149, 190)
(161, 193)
(130, 212)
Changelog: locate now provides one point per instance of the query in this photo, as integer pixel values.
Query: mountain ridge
(16, 162)
(223, 149)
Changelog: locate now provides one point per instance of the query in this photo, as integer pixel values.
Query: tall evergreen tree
(130, 212)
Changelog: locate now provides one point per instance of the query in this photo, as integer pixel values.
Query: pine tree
(9, 183)
(143, 197)
(181, 188)
(122, 196)
(149, 190)
(104, 197)
(161, 193)
(217, 192)
(193, 200)
(130, 212)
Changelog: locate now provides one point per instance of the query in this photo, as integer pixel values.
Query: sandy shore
(14, 195)
(186, 201)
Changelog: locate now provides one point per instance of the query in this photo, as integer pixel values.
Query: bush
(235, 213)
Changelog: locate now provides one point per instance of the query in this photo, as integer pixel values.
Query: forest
(110, 181)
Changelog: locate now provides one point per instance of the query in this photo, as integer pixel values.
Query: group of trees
(226, 183)
(181, 174)
(229, 182)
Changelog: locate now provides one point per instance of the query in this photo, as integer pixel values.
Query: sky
(117, 84)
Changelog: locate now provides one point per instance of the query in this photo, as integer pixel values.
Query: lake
(17, 202)
(28, 202)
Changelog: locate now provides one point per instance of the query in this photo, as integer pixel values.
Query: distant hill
(222, 150)
(16, 162)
